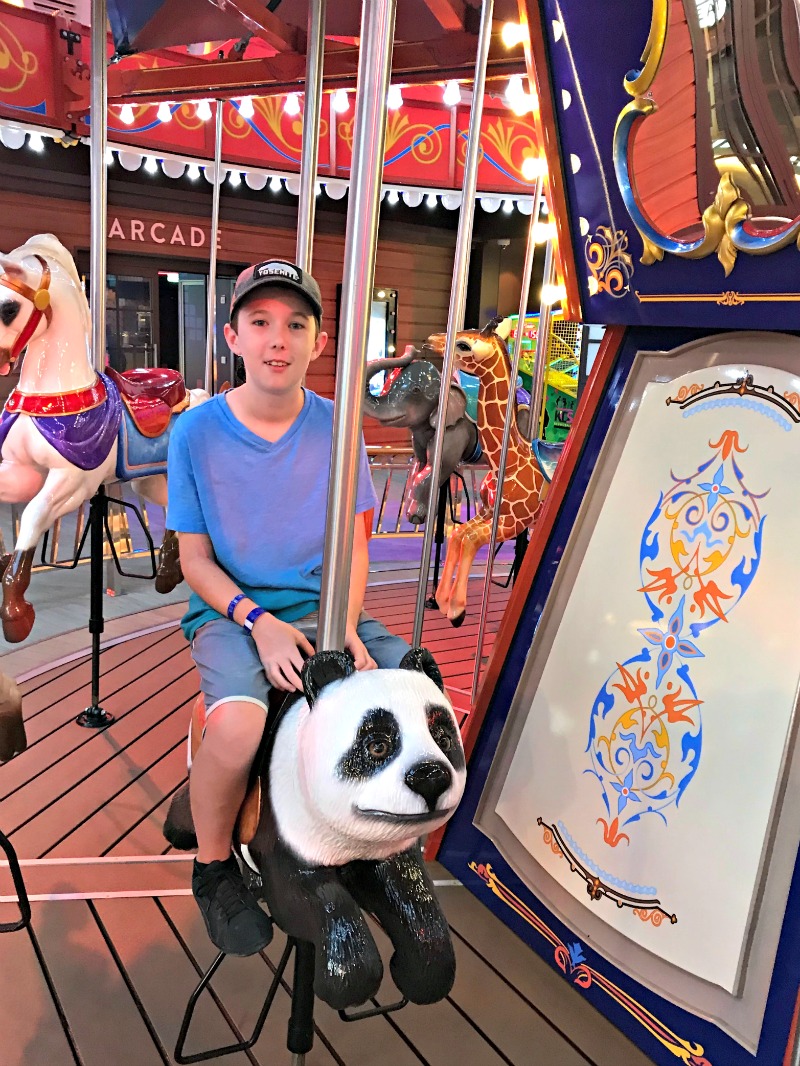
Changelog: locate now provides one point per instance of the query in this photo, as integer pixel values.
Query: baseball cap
(277, 272)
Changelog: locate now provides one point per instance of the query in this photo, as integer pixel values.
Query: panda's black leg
(400, 893)
(311, 903)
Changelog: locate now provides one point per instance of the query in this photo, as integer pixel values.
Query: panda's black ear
(421, 660)
(323, 668)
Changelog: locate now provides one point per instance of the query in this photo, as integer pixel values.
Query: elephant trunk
(376, 366)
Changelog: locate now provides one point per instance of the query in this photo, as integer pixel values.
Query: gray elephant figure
(410, 399)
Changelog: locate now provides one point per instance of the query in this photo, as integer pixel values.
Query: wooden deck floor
(116, 944)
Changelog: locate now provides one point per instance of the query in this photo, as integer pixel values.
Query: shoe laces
(231, 893)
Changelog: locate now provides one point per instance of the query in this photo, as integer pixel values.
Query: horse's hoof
(458, 620)
(167, 580)
(17, 624)
(168, 573)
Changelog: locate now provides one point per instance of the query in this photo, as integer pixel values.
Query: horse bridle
(40, 298)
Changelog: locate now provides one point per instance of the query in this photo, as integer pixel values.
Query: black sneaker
(235, 922)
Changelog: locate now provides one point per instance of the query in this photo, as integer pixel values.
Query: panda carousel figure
(349, 775)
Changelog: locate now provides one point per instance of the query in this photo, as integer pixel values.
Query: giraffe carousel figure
(484, 354)
(66, 429)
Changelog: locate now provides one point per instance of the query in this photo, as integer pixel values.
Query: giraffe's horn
(503, 328)
(491, 325)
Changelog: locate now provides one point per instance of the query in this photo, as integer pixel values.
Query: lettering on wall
(141, 231)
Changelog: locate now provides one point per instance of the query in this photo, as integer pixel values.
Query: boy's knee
(235, 727)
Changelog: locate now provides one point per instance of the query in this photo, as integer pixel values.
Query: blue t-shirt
(261, 503)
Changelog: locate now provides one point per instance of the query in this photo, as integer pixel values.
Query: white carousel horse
(66, 429)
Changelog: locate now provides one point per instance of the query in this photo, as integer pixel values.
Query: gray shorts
(231, 671)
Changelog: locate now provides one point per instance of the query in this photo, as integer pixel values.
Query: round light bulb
(513, 34)
(533, 167)
(193, 171)
(36, 142)
(246, 109)
(393, 196)
(275, 183)
(340, 101)
(235, 178)
(164, 113)
(292, 104)
(394, 98)
(431, 199)
(126, 114)
(150, 165)
(204, 110)
(452, 94)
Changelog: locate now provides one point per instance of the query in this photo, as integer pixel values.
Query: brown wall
(416, 261)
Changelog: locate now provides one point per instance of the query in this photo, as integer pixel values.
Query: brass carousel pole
(458, 299)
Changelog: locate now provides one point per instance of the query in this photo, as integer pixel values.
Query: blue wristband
(250, 621)
(233, 603)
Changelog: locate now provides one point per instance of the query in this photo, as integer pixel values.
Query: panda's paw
(427, 980)
(348, 979)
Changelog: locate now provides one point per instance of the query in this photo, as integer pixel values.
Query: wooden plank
(440, 1032)
(101, 831)
(163, 975)
(74, 772)
(79, 675)
(524, 970)
(145, 836)
(40, 679)
(102, 1015)
(369, 1042)
(67, 754)
(63, 707)
(242, 985)
(135, 643)
(506, 1017)
(33, 1034)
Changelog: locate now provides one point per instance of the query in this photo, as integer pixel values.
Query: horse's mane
(50, 247)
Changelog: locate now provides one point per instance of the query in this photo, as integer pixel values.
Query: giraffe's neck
(493, 399)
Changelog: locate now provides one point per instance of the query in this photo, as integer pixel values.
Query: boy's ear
(230, 336)
(319, 344)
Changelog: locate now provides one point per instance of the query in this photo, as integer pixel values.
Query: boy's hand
(279, 645)
(357, 649)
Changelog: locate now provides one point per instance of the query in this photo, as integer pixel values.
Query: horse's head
(37, 281)
(477, 351)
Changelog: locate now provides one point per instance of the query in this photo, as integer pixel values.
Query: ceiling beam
(448, 13)
(412, 63)
(262, 23)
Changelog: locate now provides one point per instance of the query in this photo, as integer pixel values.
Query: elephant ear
(421, 661)
(456, 407)
(322, 669)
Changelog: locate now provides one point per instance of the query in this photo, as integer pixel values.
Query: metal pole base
(94, 718)
(22, 896)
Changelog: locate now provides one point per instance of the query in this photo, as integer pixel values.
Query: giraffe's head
(478, 352)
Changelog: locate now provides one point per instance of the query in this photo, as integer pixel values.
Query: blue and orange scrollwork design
(609, 262)
(727, 224)
(573, 964)
(699, 554)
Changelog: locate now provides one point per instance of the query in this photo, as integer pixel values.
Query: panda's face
(381, 757)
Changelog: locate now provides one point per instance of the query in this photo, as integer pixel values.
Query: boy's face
(276, 336)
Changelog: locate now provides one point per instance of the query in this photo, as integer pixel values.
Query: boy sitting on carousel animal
(248, 476)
